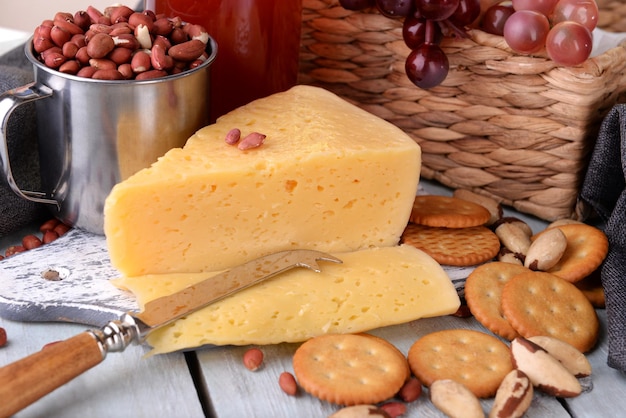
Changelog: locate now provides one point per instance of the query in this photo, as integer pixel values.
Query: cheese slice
(330, 176)
(373, 288)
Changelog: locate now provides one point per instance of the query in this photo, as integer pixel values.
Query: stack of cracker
(451, 230)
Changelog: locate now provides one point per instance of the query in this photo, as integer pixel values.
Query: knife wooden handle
(26, 380)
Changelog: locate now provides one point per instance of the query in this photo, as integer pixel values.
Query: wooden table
(213, 382)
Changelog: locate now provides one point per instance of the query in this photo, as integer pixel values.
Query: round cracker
(539, 303)
(477, 360)
(448, 212)
(453, 246)
(587, 246)
(350, 369)
(483, 293)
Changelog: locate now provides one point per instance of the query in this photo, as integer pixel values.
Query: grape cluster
(425, 24)
(562, 27)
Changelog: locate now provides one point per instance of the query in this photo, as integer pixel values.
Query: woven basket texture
(515, 128)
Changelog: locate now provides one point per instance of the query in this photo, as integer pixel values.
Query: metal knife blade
(40, 373)
(167, 309)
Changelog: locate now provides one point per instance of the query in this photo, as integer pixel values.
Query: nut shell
(569, 356)
(455, 399)
(546, 250)
(513, 397)
(544, 371)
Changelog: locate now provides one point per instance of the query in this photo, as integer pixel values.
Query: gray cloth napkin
(16, 212)
(604, 189)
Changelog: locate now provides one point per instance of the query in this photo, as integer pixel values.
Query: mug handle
(9, 101)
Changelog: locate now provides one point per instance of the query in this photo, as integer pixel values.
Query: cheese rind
(329, 177)
(372, 288)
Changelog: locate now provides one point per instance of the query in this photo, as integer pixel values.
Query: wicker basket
(516, 128)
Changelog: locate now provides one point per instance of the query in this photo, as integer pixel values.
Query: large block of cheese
(329, 177)
(373, 288)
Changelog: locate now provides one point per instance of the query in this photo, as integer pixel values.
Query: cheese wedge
(373, 288)
(330, 177)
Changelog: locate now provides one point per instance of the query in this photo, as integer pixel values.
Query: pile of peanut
(50, 231)
(119, 44)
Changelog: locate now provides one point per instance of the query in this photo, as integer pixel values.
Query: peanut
(61, 229)
(105, 72)
(151, 74)
(253, 359)
(141, 62)
(163, 26)
(59, 36)
(100, 45)
(49, 236)
(102, 64)
(116, 35)
(288, 384)
(393, 409)
(187, 51)
(232, 136)
(411, 390)
(14, 249)
(121, 56)
(3, 337)
(31, 241)
(119, 13)
(253, 140)
(159, 59)
(126, 70)
(86, 72)
(54, 59)
(69, 50)
(82, 20)
(49, 225)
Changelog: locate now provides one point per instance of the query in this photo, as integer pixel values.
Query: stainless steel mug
(95, 133)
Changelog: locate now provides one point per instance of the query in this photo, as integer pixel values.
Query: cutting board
(83, 293)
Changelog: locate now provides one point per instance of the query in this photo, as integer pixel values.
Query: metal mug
(95, 133)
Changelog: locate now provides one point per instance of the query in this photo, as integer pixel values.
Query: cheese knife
(27, 380)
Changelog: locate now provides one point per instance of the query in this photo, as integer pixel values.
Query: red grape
(427, 66)
(356, 4)
(542, 6)
(569, 43)
(494, 18)
(394, 8)
(466, 12)
(526, 31)
(584, 12)
(414, 32)
(436, 9)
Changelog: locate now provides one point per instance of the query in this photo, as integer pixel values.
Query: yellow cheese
(373, 288)
(329, 177)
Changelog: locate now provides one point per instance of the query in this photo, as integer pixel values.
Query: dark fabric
(16, 212)
(604, 189)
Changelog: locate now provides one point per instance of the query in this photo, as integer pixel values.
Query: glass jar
(258, 44)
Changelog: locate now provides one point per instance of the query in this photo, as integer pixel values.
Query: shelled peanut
(50, 231)
(119, 44)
